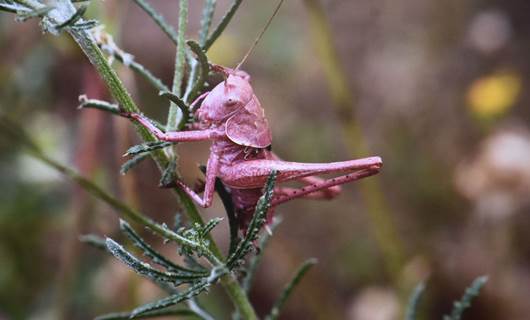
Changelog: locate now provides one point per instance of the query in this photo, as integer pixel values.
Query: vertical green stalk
(206, 20)
(206, 23)
(175, 114)
(382, 226)
(158, 19)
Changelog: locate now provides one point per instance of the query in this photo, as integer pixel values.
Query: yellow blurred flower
(493, 95)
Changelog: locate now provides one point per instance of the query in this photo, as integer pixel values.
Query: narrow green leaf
(144, 268)
(85, 25)
(159, 20)
(131, 163)
(278, 305)
(169, 175)
(73, 19)
(153, 254)
(222, 25)
(14, 8)
(184, 108)
(206, 20)
(208, 227)
(84, 102)
(198, 85)
(256, 223)
(147, 147)
(107, 44)
(180, 58)
(25, 15)
(147, 315)
(94, 240)
(146, 74)
(465, 302)
(191, 292)
(174, 120)
(412, 306)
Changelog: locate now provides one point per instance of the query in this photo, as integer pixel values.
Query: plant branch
(412, 305)
(15, 132)
(222, 25)
(180, 60)
(299, 274)
(148, 315)
(206, 22)
(381, 221)
(159, 20)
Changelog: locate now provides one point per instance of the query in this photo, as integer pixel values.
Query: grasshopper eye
(230, 102)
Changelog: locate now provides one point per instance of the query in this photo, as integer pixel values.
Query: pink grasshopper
(232, 118)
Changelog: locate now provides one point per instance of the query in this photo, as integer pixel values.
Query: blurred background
(436, 88)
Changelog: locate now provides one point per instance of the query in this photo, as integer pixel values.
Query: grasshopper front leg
(176, 136)
(209, 187)
(186, 136)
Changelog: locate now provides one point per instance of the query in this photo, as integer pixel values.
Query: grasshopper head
(226, 99)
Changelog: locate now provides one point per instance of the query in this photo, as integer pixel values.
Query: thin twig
(106, 42)
(159, 20)
(206, 22)
(15, 132)
(196, 86)
(278, 305)
(144, 72)
(382, 225)
(180, 60)
(222, 25)
(412, 305)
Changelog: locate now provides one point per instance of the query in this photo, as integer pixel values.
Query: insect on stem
(260, 35)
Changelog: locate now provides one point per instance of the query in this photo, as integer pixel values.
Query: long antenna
(260, 35)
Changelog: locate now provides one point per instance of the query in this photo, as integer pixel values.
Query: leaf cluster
(194, 274)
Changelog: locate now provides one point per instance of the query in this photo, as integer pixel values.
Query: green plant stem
(121, 207)
(299, 274)
(159, 20)
(206, 22)
(412, 305)
(144, 72)
(222, 25)
(154, 314)
(382, 226)
(180, 60)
